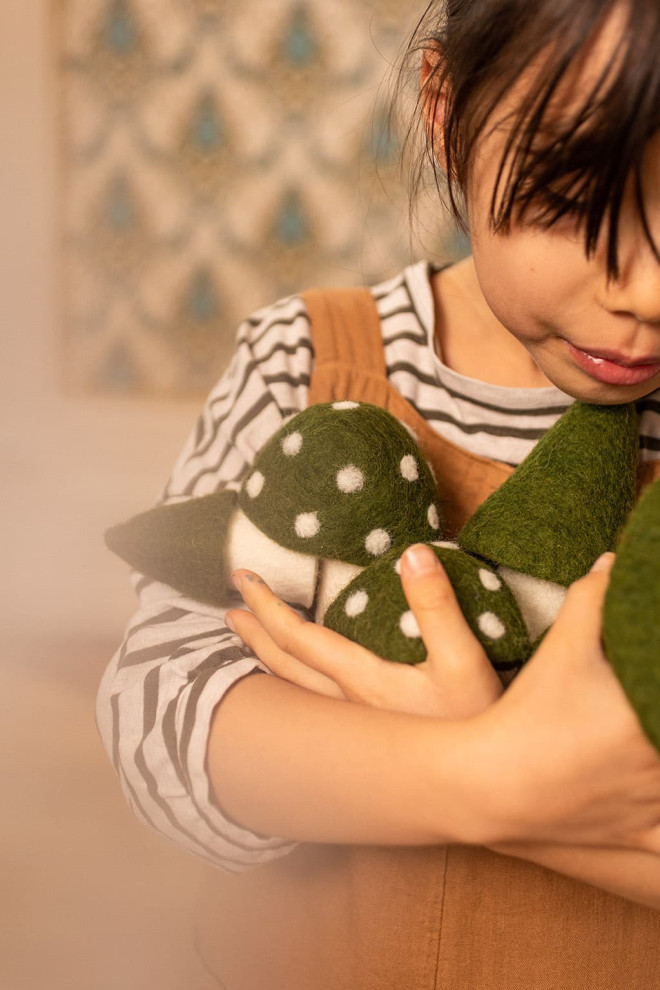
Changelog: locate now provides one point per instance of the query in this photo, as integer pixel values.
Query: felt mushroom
(336, 496)
(342, 482)
(631, 615)
(373, 611)
(340, 487)
(560, 510)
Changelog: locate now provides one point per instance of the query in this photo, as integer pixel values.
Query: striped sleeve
(178, 659)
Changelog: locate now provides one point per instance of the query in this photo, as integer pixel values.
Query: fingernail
(420, 559)
(604, 562)
(237, 579)
(230, 623)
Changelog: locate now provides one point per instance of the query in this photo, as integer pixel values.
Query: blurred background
(166, 167)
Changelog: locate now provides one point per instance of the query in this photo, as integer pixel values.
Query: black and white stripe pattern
(178, 659)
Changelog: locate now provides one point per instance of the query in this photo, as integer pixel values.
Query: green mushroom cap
(373, 611)
(567, 502)
(631, 617)
(342, 481)
(182, 544)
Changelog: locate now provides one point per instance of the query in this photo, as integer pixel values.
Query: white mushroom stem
(290, 575)
(334, 576)
(539, 601)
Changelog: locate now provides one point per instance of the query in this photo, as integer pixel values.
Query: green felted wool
(373, 611)
(568, 500)
(342, 481)
(631, 616)
(182, 544)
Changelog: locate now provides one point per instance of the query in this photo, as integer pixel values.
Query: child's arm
(154, 704)
(178, 659)
(337, 776)
(323, 770)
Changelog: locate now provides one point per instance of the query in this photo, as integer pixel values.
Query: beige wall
(69, 466)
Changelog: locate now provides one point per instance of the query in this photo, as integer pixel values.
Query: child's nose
(637, 291)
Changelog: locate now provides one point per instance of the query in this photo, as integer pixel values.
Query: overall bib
(416, 918)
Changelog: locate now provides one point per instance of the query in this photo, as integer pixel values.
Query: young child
(544, 116)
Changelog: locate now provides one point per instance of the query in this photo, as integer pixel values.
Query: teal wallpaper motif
(219, 154)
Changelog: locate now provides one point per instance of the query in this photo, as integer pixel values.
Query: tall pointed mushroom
(631, 617)
(564, 506)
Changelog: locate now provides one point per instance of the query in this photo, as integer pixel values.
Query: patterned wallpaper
(217, 155)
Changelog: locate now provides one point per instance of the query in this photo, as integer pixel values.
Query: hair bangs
(562, 156)
(577, 161)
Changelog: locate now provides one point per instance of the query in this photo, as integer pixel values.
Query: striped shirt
(178, 658)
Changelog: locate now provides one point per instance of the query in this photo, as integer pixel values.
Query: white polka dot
(378, 542)
(397, 566)
(408, 430)
(408, 626)
(292, 444)
(447, 544)
(345, 405)
(356, 603)
(433, 474)
(307, 525)
(433, 517)
(350, 479)
(491, 625)
(409, 468)
(489, 580)
(255, 484)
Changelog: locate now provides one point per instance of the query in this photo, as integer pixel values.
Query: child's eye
(563, 204)
(549, 208)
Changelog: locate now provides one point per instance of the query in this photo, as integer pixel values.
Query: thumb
(582, 610)
(450, 643)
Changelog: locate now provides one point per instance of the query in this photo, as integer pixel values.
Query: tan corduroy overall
(409, 918)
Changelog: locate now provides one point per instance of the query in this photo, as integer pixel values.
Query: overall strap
(346, 328)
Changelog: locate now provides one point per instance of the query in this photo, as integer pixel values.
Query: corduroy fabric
(432, 918)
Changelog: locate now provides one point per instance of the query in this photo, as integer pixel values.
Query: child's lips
(612, 372)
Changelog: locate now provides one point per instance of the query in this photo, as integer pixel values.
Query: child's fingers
(647, 840)
(318, 647)
(583, 607)
(453, 649)
(250, 630)
(451, 689)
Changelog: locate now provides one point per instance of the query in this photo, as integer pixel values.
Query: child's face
(541, 287)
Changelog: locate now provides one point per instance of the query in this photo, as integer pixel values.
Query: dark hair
(578, 165)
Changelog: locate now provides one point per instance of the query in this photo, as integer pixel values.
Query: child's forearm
(286, 762)
(629, 873)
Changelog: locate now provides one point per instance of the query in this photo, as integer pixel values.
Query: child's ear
(433, 102)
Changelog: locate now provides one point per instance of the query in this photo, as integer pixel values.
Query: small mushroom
(350, 485)
(373, 611)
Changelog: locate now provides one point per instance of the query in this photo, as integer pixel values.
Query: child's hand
(562, 755)
(456, 679)
(572, 762)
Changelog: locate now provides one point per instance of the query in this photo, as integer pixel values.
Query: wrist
(493, 806)
(470, 777)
